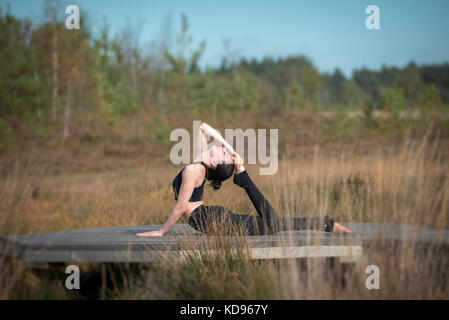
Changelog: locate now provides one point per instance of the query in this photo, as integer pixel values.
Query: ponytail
(216, 184)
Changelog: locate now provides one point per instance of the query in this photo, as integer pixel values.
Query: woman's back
(197, 194)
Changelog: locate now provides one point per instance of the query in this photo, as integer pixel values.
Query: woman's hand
(154, 233)
(238, 163)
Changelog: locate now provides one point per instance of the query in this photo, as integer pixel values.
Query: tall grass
(407, 184)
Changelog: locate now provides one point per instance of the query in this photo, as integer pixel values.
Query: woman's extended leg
(274, 222)
(263, 207)
(217, 219)
(214, 220)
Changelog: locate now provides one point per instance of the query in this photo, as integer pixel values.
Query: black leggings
(219, 220)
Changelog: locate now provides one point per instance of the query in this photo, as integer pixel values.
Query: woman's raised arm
(202, 140)
(213, 133)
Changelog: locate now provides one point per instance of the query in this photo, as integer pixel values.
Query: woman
(218, 164)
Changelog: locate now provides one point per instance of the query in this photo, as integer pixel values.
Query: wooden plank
(120, 244)
(288, 252)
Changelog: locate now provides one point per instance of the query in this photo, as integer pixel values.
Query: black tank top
(197, 194)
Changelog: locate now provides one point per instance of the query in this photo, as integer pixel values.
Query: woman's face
(220, 155)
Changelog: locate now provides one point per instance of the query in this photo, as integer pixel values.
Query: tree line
(50, 72)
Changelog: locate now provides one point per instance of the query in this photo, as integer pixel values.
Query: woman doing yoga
(217, 164)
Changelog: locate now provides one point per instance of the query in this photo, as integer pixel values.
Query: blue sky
(331, 33)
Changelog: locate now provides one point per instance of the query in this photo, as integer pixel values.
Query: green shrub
(432, 97)
(158, 132)
(294, 96)
(393, 100)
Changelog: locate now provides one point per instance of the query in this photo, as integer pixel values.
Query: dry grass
(405, 184)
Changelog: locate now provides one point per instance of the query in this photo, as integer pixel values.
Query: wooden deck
(120, 244)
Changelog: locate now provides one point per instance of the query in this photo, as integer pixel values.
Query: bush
(158, 132)
(392, 100)
(294, 96)
(432, 97)
(7, 140)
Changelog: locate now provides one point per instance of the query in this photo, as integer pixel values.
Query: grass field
(354, 170)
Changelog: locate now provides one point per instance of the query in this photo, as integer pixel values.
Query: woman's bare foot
(338, 228)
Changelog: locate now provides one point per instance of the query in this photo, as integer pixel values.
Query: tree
(19, 81)
(181, 64)
(70, 68)
(439, 75)
(410, 81)
(393, 100)
(352, 95)
(115, 93)
(51, 9)
(432, 97)
(332, 89)
(294, 96)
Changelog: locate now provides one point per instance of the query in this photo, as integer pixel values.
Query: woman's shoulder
(194, 170)
(199, 166)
